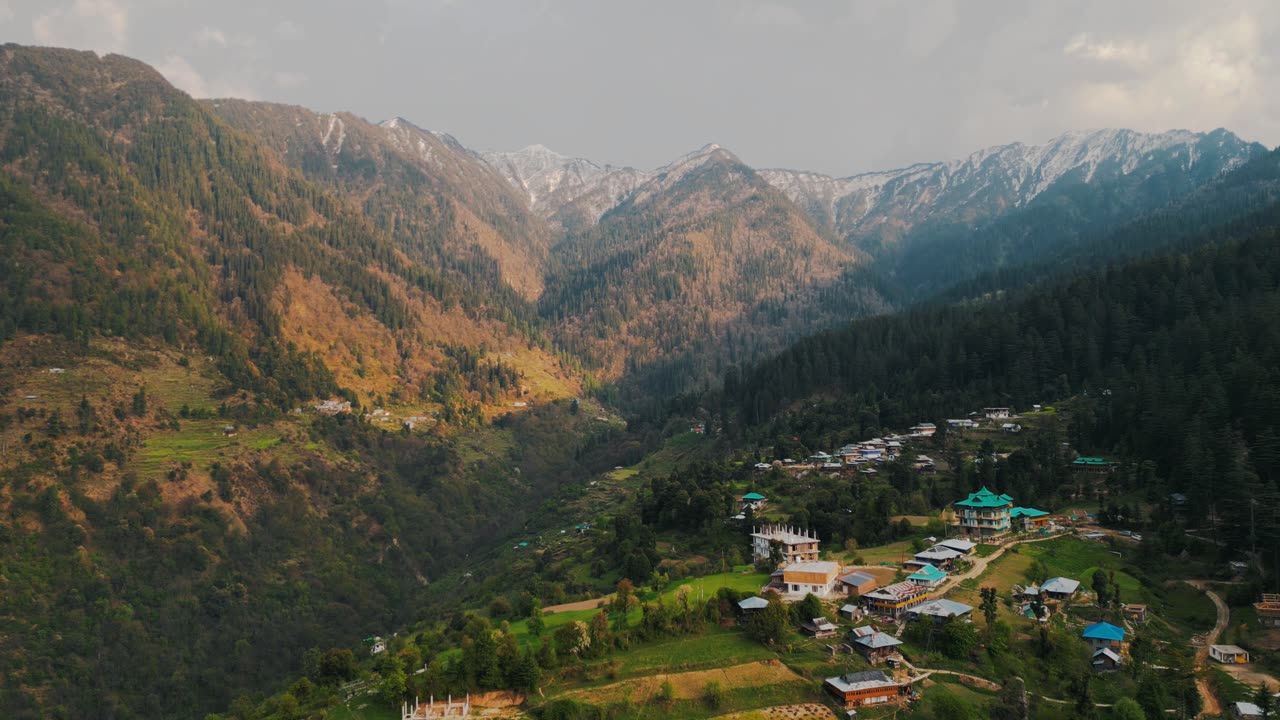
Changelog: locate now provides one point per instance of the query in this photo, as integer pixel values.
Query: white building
(797, 545)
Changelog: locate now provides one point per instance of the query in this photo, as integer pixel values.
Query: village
(880, 631)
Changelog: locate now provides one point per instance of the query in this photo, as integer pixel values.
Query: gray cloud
(827, 85)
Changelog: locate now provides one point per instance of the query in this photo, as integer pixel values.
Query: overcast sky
(837, 87)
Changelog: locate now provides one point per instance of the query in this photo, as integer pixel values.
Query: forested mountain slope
(702, 266)
(1175, 359)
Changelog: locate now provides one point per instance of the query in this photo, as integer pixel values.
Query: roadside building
(939, 610)
(961, 546)
(984, 514)
(928, 577)
(1029, 519)
(937, 556)
(1229, 654)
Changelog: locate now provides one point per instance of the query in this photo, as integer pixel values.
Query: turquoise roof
(753, 496)
(1027, 512)
(984, 498)
(1090, 461)
(1103, 631)
(927, 573)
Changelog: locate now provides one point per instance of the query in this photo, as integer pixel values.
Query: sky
(834, 87)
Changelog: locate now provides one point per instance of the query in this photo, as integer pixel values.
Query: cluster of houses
(333, 407)
(861, 456)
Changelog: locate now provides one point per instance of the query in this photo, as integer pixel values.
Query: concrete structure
(818, 578)
(436, 711)
(797, 545)
(984, 514)
(1229, 654)
(996, 413)
(1268, 610)
(870, 687)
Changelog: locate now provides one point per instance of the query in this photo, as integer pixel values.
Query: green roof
(1090, 461)
(753, 496)
(928, 573)
(984, 498)
(1027, 512)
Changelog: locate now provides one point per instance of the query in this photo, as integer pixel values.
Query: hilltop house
(870, 687)
(797, 545)
(984, 514)
(802, 578)
(1104, 636)
(754, 501)
(924, 430)
(1059, 588)
(858, 582)
(894, 600)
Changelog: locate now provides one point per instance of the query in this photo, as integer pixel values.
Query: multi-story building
(984, 514)
(797, 545)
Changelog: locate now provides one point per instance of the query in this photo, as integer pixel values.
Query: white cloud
(1124, 51)
(184, 76)
(210, 36)
(101, 25)
(289, 29)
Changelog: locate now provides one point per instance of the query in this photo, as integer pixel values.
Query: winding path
(1211, 705)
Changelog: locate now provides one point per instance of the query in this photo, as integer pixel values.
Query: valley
(308, 416)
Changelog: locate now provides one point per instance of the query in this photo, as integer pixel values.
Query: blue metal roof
(1103, 631)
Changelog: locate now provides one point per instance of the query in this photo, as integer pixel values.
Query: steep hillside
(573, 193)
(440, 203)
(701, 266)
(177, 523)
(1010, 204)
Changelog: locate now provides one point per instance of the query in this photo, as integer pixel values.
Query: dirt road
(980, 563)
(1211, 705)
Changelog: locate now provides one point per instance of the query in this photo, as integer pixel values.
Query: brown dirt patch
(690, 685)
(806, 711)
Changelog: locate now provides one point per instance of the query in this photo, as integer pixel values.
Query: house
(379, 646)
(928, 577)
(1238, 567)
(984, 514)
(924, 464)
(1059, 588)
(1229, 654)
(1177, 499)
(754, 501)
(762, 466)
(1106, 660)
(1094, 465)
(996, 413)
(870, 687)
(817, 577)
(820, 628)
(1134, 612)
(894, 600)
(924, 430)
(851, 612)
(333, 407)
(819, 457)
(1268, 610)
(858, 582)
(229, 430)
(797, 545)
(939, 610)
(963, 547)
(1026, 594)
(937, 556)
(1011, 428)
(57, 371)
(752, 604)
(1246, 711)
(1029, 519)
(961, 423)
(875, 647)
(1104, 635)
